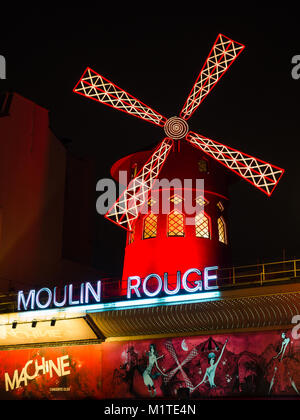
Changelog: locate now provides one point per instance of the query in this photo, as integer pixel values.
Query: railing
(260, 275)
(233, 277)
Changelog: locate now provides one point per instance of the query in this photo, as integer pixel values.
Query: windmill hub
(176, 128)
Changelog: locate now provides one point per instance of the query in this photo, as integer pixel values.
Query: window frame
(183, 224)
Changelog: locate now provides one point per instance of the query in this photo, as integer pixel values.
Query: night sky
(254, 108)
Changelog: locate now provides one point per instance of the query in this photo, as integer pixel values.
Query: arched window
(202, 225)
(176, 224)
(202, 201)
(150, 226)
(220, 206)
(202, 165)
(176, 199)
(222, 230)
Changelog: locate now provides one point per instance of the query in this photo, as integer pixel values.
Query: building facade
(186, 325)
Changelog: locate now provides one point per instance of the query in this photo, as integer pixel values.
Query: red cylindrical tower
(165, 238)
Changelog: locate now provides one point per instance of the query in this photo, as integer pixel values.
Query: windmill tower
(183, 224)
(167, 241)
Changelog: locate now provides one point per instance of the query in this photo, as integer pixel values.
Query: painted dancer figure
(147, 375)
(284, 344)
(210, 373)
(282, 366)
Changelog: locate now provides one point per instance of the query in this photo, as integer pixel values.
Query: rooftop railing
(258, 275)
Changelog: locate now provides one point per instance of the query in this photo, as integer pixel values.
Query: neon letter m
(25, 302)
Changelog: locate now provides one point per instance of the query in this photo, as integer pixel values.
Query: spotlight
(14, 325)
(53, 322)
(34, 324)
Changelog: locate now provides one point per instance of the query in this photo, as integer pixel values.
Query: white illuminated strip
(81, 310)
(168, 300)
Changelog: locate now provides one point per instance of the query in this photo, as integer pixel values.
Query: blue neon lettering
(159, 287)
(208, 277)
(197, 282)
(37, 299)
(135, 287)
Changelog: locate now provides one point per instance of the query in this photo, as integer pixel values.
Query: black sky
(157, 59)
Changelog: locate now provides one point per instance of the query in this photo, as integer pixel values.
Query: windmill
(163, 242)
(224, 52)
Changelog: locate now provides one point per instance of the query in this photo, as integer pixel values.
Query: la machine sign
(153, 290)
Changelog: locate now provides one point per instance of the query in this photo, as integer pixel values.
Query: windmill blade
(127, 207)
(261, 174)
(94, 86)
(223, 53)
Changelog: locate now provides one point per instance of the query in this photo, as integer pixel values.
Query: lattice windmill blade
(94, 86)
(127, 208)
(261, 174)
(223, 53)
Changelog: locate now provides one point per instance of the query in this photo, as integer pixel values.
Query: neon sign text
(137, 286)
(45, 298)
(152, 290)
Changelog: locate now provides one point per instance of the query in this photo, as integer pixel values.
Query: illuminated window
(222, 230)
(202, 165)
(151, 202)
(201, 201)
(150, 226)
(176, 199)
(176, 224)
(202, 226)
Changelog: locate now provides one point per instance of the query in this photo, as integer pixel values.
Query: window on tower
(202, 226)
(220, 206)
(176, 199)
(150, 226)
(202, 165)
(176, 224)
(222, 230)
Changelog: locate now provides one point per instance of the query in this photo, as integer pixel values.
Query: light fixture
(33, 324)
(14, 325)
(53, 322)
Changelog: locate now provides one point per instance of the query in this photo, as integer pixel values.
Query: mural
(263, 364)
(254, 364)
(55, 373)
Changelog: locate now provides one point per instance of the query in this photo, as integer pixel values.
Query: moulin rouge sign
(89, 296)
